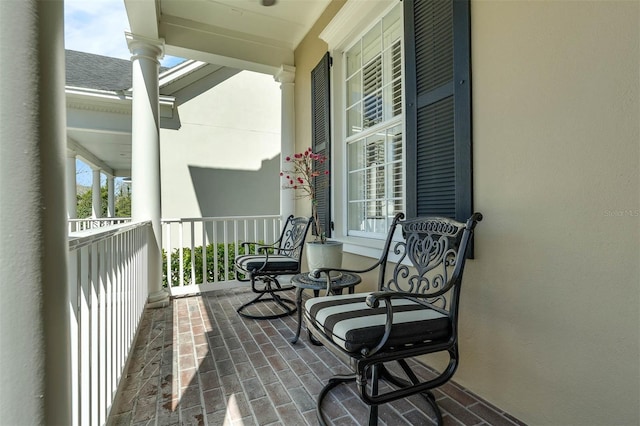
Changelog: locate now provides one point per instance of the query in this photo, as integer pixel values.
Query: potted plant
(300, 175)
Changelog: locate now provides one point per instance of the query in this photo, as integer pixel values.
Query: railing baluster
(192, 237)
(108, 350)
(181, 251)
(226, 251)
(214, 233)
(168, 256)
(102, 331)
(235, 239)
(84, 351)
(74, 294)
(204, 253)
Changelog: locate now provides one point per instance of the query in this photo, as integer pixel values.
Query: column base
(159, 299)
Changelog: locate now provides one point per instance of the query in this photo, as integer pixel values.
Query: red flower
(300, 176)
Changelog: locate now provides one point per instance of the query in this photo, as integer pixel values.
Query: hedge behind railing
(214, 274)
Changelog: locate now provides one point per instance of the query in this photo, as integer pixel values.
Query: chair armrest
(259, 246)
(317, 272)
(373, 300)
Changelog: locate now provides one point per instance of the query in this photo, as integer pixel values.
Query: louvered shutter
(321, 138)
(438, 135)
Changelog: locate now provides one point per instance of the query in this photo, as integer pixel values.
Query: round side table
(305, 281)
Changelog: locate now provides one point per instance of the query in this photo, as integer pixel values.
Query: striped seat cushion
(276, 263)
(352, 325)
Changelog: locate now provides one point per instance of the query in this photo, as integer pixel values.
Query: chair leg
(378, 372)
(313, 340)
(373, 409)
(288, 306)
(332, 383)
(428, 395)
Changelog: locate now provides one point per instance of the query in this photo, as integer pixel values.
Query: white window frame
(349, 25)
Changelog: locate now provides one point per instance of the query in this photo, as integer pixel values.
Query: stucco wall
(550, 311)
(551, 315)
(225, 159)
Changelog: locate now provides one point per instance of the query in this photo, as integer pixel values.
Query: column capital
(286, 74)
(144, 47)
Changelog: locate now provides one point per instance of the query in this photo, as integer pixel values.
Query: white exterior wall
(225, 159)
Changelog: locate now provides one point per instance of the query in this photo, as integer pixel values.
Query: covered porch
(550, 317)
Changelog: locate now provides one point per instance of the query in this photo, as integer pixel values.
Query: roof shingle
(97, 72)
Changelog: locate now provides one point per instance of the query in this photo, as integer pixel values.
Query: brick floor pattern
(197, 362)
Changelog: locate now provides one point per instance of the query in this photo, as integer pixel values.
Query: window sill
(367, 247)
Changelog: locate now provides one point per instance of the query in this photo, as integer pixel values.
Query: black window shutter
(438, 99)
(321, 138)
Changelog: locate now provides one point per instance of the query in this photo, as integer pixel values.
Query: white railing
(108, 269)
(222, 237)
(76, 225)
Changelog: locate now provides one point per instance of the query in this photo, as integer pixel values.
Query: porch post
(145, 152)
(286, 77)
(96, 199)
(34, 315)
(72, 201)
(111, 210)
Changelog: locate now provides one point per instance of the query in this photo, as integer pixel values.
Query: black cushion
(276, 263)
(352, 325)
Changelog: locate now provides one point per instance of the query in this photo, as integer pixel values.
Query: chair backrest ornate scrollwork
(430, 261)
(291, 241)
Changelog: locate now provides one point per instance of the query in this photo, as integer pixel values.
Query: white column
(145, 151)
(96, 199)
(286, 77)
(111, 210)
(34, 314)
(71, 191)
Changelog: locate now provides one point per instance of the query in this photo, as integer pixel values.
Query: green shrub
(222, 266)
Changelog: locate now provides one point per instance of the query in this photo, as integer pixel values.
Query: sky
(98, 26)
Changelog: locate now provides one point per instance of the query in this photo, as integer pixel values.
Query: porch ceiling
(241, 34)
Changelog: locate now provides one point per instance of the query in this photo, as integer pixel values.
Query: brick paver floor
(197, 362)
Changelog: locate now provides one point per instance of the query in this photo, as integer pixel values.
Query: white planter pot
(327, 255)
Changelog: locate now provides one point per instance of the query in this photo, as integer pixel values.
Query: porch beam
(221, 46)
(88, 156)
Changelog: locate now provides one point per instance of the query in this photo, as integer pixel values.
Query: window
(400, 110)
(373, 120)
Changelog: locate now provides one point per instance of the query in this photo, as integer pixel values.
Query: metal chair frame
(264, 278)
(432, 256)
